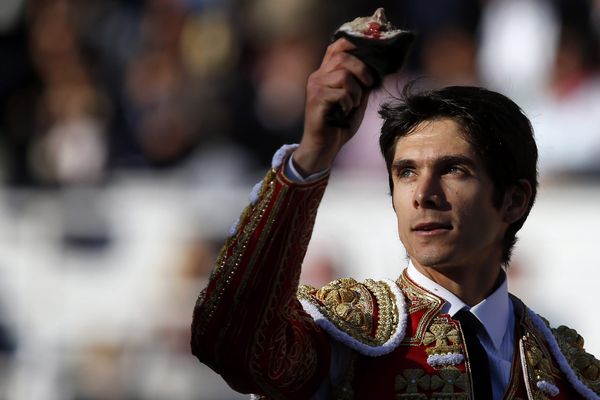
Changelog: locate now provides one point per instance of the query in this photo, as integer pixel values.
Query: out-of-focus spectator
(282, 47)
(69, 145)
(566, 117)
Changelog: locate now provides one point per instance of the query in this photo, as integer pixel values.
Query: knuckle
(312, 80)
(335, 61)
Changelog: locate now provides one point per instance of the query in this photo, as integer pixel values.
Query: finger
(347, 104)
(351, 63)
(339, 46)
(325, 98)
(342, 79)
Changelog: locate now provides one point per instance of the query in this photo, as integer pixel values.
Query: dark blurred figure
(578, 54)
(94, 86)
(54, 114)
(18, 93)
(282, 45)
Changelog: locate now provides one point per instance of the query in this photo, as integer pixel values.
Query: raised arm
(248, 325)
(343, 80)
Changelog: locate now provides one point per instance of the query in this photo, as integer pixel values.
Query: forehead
(434, 139)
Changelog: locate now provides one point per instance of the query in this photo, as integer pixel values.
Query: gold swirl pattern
(351, 307)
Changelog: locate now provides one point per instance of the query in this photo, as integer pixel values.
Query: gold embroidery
(419, 299)
(235, 245)
(586, 366)
(445, 385)
(448, 380)
(284, 357)
(350, 302)
(388, 312)
(350, 306)
(446, 338)
(538, 366)
(411, 380)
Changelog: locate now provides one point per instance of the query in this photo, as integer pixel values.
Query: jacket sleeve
(248, 325)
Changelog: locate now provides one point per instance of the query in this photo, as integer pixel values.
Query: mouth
(432, 228)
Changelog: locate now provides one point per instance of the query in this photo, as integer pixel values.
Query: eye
(405, 173)
(456, 170)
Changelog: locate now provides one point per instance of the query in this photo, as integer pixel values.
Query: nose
(428, 192)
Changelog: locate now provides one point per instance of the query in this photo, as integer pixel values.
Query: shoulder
(581, 369)
(369, 317)
(585, 366)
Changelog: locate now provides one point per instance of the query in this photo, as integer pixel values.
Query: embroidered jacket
(259, 331)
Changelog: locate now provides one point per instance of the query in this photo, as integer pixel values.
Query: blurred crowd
(90, 87)
(186, 95)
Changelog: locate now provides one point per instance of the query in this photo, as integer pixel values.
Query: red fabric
(248, 326)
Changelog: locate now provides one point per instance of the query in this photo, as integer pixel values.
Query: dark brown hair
(493, 124)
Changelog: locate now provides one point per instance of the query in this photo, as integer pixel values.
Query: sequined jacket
(264, 335)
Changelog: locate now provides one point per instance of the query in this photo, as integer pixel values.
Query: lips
(432, 226)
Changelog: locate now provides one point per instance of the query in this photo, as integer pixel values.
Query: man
(462, 170)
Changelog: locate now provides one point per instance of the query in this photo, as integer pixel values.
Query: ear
(516, 201)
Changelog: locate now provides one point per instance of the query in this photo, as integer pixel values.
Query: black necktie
(480, 368)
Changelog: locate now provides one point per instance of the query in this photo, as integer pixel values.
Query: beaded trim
(548, 388)
(276, 162)
(444, 360)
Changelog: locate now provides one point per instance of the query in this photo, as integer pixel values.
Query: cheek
(402, 217)
(479, 218)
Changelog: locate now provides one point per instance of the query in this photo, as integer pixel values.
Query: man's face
(443, 199)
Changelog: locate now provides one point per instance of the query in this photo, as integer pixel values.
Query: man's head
(493, 126)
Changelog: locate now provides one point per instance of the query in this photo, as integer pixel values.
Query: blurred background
(131, 132)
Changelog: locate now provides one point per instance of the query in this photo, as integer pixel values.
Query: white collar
(493, 312)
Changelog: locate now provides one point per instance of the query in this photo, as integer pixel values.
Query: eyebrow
(445, 160)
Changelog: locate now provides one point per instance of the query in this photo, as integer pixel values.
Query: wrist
(309, 160)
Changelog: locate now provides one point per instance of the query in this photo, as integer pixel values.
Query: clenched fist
(342, 80)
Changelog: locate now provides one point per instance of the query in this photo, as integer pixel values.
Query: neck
(471, 285)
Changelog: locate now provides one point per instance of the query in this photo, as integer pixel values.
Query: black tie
(480, 368)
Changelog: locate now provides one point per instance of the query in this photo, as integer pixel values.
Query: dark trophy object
(379, 45)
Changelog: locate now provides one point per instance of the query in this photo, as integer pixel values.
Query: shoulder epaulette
(369, 317)
(581, 368)
(585, 365)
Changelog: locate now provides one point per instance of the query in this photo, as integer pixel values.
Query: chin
(431, 259)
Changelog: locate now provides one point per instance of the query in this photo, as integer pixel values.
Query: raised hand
(343, 81)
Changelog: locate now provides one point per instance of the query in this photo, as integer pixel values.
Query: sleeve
(248, 325)
(295, 176)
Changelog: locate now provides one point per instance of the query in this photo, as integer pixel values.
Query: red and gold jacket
(265, 335)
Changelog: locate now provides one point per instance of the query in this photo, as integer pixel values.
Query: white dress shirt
(495, 313)
(292, 173)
